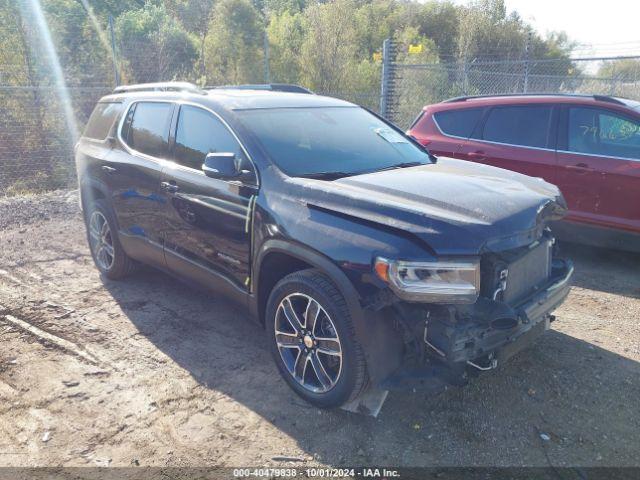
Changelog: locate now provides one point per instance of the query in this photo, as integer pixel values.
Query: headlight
(432, 282)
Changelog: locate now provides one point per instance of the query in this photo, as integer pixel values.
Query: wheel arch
(269, 270)
(91, 189)
(381, 342)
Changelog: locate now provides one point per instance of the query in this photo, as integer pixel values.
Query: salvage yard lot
(150, 372)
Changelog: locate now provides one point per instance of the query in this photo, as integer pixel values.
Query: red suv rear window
(458, 123)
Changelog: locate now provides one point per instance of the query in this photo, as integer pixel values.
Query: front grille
(526, 269)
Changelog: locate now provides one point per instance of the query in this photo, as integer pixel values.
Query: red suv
(587, 145)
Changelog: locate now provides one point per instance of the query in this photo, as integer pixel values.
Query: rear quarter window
(146, 128)
(459, 123)
(101, 120)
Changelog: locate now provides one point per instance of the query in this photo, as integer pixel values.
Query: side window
(601, 132)
(199, 133)
(459, 123)
(148, 131)
(527, 126)
(101, 120)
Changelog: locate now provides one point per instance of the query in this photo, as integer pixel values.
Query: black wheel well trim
(88, 184)
(92, 184)
(316, 260)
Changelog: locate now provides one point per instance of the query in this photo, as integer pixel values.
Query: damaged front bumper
(450, 343)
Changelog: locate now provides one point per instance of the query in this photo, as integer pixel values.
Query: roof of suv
(603, 100)
(237, 99)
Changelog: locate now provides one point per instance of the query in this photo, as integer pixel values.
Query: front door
(599, 167)
(207, 221)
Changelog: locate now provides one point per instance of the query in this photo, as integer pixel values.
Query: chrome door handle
(108, 169)
(169, 187)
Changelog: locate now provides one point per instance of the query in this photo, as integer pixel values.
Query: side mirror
(221, 165)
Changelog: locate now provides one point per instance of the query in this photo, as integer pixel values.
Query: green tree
(626, 70)
(31, 132)
(286, 33)
(488, 33)
(329, 51)
(155, 46)
(234, 46)
(375, 21)
(103, 8)
(194, 16)
(439, 21)
(280, 6)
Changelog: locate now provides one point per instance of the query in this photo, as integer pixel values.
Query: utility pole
(116, 73)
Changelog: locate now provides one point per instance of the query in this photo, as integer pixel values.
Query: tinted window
(458, 122)
(149, 129)
(199, 132)
(101, 120)
(600, 132)
(527, 126)
(342, 140)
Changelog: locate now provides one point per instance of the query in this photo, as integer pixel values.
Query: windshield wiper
(337, 175)
(327, 175)
(398, 165)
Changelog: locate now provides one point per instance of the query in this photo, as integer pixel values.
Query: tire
(329, 380)
(120, 264)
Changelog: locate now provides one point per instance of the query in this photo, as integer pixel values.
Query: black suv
(368, 261)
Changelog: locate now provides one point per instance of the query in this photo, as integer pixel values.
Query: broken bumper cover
(462, 340)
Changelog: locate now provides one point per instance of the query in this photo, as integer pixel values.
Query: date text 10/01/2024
(316, 472)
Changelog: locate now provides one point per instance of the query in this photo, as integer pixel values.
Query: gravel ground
(150, 372)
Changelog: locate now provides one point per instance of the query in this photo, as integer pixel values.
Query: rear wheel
(313, 340)
(106, 250)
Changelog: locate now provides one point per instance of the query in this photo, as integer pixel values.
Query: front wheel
(313, 340)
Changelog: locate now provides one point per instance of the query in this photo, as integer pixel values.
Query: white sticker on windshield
(390, 136)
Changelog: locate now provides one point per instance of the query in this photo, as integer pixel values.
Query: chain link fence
(407, 86)
(36, 146)
(37, 134)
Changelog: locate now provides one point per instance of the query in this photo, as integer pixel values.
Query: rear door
(599, 166)
(516, 137)
(134, 171)
(207, 221)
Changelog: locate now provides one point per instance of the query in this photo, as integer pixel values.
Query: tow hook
(493, 363)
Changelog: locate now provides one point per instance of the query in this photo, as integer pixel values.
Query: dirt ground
(150, 372)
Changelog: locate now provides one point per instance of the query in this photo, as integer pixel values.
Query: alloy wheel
(308, 342)
(101, 240)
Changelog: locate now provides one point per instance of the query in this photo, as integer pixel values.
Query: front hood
(454, 207)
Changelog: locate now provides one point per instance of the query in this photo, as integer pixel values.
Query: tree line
(330, 47)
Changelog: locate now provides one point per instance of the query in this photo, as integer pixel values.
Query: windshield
(338, 141)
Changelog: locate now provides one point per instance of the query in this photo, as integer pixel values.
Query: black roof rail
(274, 87)
(601, 98)
(159, 87)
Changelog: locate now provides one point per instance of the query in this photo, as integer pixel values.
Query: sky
(602, 28)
